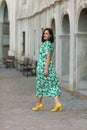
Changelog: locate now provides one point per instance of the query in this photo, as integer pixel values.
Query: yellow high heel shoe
(58, 107)
(39, 107)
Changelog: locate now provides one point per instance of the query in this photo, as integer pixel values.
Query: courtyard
(17, 97)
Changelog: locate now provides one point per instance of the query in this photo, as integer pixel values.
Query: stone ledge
(75, 93)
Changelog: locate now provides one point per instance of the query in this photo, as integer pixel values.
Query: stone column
(26, 38)
(57, 24)
(72, 48)
(38, 38)
(31, 32)
(1, 56)
(12, 20)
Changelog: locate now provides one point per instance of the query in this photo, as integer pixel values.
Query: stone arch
(65, 48)
(77, 18)
(82, 22)
(82, 6)
(82, 50)
(4, 29)
(65, 24)
(53, 26)
(5, 16)
(3, 3)
(64, 12)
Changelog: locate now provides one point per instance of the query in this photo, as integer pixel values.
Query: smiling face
(46, 35)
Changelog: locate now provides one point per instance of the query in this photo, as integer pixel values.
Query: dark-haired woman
(47, 81)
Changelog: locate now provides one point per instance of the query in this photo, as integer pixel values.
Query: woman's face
(46, 35)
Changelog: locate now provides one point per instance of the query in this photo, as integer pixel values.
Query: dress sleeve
(49, 48)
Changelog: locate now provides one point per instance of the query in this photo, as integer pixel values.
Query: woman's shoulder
(48, 43)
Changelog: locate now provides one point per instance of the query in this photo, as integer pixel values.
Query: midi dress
(47, 85)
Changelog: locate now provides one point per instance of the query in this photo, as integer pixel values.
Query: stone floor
(17, 97)
(84, 92)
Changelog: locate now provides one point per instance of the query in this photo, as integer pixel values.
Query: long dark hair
(51, 33)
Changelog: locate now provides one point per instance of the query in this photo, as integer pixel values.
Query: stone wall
(63, 16)
(11, 8)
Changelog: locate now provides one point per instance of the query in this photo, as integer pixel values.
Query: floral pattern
(47, 85)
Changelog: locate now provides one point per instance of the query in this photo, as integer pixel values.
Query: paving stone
(17, 97)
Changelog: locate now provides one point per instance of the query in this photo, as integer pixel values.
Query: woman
(47, 80)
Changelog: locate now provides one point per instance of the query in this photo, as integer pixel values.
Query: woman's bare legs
(39, 105)
(39, 101)
(58, 105)
(56, 99)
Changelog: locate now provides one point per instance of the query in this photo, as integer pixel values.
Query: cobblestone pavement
(17, 97)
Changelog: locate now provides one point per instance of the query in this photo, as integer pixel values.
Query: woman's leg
(39, 105)
(56, 99)
(58, 105)
(39, 101)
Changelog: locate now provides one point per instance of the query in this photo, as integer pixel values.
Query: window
(23, 43)
(6, 40)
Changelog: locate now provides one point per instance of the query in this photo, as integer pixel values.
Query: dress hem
(47, 96)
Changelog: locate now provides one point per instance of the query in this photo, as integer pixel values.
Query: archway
(65, 49)
(4, 28)
(82, 50)
(53, 26)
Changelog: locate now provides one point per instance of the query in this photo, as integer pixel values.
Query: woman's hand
(48, 58)
(46, 72)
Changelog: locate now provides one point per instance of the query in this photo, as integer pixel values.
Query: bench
(9, 62)
(21, 64)
(31, 67)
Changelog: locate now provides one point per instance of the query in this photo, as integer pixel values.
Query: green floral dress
(47, 85)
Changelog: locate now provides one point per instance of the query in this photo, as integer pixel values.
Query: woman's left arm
(48, 59)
